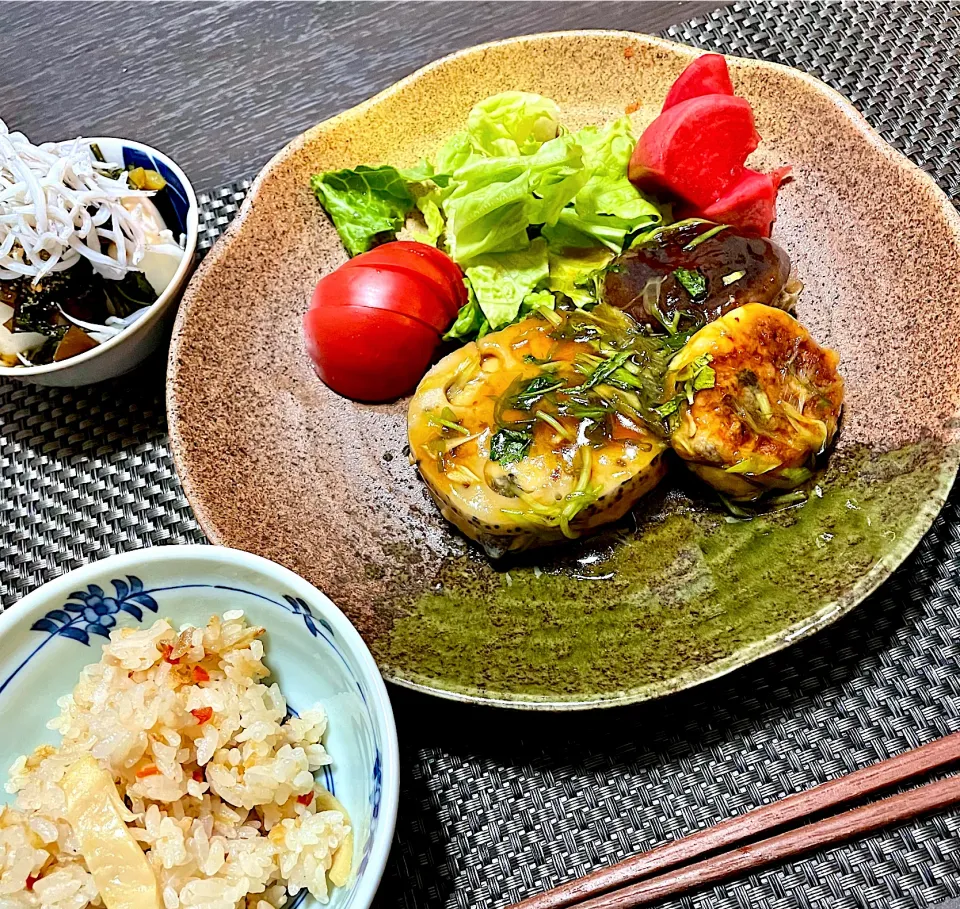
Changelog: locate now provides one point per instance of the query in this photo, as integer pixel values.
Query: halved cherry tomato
(424, 262)
(374, 287)
(368, 353)
(440, 259)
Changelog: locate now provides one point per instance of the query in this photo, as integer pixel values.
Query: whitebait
(58, 204)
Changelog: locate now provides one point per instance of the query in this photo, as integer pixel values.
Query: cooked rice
(224, 807)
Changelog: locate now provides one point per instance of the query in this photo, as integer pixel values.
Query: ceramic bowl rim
(156, 309)
(768, 646)
(381, 710)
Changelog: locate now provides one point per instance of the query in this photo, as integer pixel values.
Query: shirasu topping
(58, 203)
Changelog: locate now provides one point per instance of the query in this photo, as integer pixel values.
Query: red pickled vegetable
(200, 674)
(166, 650)
(696, 149)
(305, 799)
(148, 770)
(750, 205)
(197, 776)
(707, 75)
(202, 714)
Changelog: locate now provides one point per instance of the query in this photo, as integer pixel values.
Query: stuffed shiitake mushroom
(751, 400)
(692, 272)
(539, 432)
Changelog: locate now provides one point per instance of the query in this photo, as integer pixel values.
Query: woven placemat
(495, 805)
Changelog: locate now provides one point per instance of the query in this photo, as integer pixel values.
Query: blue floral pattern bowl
(315, 653)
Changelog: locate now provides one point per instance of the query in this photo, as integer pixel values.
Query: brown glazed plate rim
(867, 584)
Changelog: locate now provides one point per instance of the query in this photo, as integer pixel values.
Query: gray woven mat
(494, 805)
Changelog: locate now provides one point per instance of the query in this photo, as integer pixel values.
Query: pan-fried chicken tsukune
(540, 432)
(752, 400)
(557, 425)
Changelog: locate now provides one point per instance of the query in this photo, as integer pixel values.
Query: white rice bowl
(218, 780)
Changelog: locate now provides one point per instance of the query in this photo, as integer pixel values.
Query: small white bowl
(314, 652)
(136, 342)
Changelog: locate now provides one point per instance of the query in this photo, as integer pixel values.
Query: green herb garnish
(732, 278)
(694, 377)
(508, 446)
(706, 235)
(447, 420)
(605, 370)
(536, 388)
(555, 424)
(703, 376)
(694, 283)
(670, 408)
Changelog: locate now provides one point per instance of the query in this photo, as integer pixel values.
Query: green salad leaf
(502, 281)
(363, 203)
(429, 207)
(608, 207)
(470, 322)
(539, 299)
(513, 123)
(530, 212)
(573, 272)
(491, 203)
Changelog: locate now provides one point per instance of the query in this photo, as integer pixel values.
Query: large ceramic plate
(276, 464)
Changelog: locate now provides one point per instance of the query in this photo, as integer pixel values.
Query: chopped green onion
(444, 423)
(556, 424)
(732, 278)
(706, 235)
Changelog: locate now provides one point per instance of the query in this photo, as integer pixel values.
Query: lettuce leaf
(470, 322)
(363, 203)
(429, 207)
(539, 299)
(501, 281)
(608, 208)
(529, 211)
(492, 202)
(487, 218)
(513, 123)
(573, 273)
(454, 154)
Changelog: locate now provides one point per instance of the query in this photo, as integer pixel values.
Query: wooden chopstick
(828, 832)
(584, 892)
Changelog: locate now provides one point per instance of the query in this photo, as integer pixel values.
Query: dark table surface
(221, 86)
